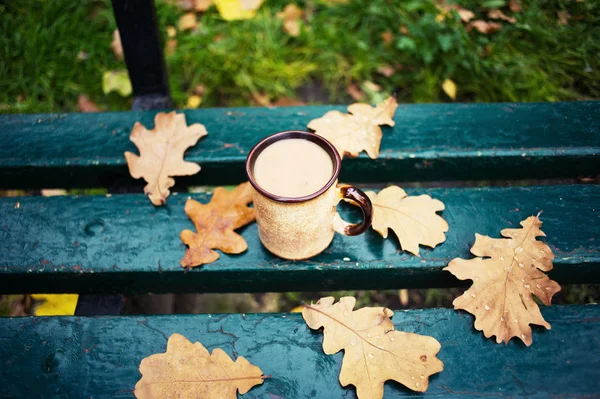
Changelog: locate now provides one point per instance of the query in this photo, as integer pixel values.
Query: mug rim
(290, 134)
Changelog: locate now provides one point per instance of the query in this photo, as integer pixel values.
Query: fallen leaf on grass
(563, 17)
(515, 5)
(55, 304)
(370, 86)
(161, 153)
(116, 81)
(215, 224)
(116, 45)
(446, 10)
(202, 5)
(497, 14)
(413, 219)
(374, 352)
(484, 27)
(84, 104)
(506, 275)
(351, 134)
(387, 37)
(386, 70)
(291, 16)
(449, 88)
(187, 21)
(171, 32)
(355, 92)
(170, 46)
(231, 10)
(188, 370)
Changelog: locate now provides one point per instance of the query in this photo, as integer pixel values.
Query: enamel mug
(301, 227)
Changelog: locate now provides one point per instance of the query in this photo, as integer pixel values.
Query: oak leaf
(497, 14)
(187, 21)
(231, 10)
(506, 275)
(188, 370)
(161, 153)
(351, 134)
(373, 351)
(215, 224)
(117, 81)
(413, 219)
(116, 45)
(291, 16)
(449, 88)
(484, 27)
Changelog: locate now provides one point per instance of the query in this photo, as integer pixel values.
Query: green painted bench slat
(429, 142)
(81, 357)
(124, 244)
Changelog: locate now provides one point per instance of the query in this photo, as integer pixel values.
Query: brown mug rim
(290, 134)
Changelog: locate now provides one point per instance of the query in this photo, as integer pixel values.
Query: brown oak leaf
(291, 16)
(215, 224)
(484, 27)
(506, 275)
(351, 134)
(161, 153)
(188, 370)
(413, 219)
(373, 351)
(497, 14)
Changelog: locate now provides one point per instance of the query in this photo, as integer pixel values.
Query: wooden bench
(119, 243)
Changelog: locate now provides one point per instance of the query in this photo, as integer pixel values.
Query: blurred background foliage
(54, 51)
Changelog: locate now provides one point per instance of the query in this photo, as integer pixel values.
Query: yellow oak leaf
(231, 10)
(413, 219)
(351, 134)
(506, 275)
(194, 101)
(188, 370)
(161, 153)
(55, 304)
(374, 352)
(215, 224)
(449, 88)
(116, 81)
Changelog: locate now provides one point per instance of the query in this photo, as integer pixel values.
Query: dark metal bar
(140, 36)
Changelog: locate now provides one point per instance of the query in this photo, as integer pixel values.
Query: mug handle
(356, 195)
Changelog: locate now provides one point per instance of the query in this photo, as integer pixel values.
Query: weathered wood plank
(94, 244)
(79, 357)
(429, 142)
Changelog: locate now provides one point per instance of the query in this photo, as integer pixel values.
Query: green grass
(536, 59)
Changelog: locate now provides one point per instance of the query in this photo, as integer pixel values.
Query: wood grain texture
(95, 244)
(70, 357)
(429, 142)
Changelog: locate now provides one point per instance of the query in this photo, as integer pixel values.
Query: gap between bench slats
(121, 244)
(99, 357)
(429, 142)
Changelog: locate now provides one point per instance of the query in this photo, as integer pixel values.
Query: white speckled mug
(301, 227)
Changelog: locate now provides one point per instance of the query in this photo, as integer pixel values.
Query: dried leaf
(84, 104)
(386, 70)
(186, 5)
(231, 10)
(370, 86)
(404, 30)
(291, 16)
(55, 304)
(215, 224)
(446, 10)
(506, 275)
(161, 153)
(449, 88)
(497, 14)
(202, 5)
(199, 89)
(116, 45)
(387, 37)
(563, 17)
(403, 296)
(373, 351)
(484, 27)
(413, 219)
(188, 370)
(351, 134)
(170, 46)
(187, 21)
(515, 5)
(116, 81)
(355, 92)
